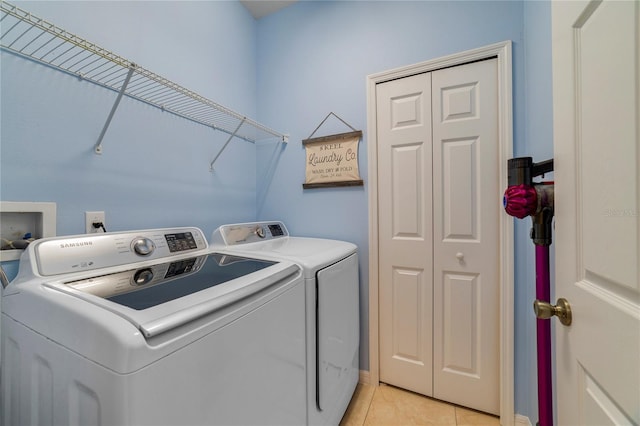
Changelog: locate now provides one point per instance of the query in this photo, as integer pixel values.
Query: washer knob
(143, 246)
(260, 232)
(143, 276)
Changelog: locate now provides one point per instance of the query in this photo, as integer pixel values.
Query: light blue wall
(289, 70)
(154, 171)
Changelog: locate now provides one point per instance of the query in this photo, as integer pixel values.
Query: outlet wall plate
(90, 218)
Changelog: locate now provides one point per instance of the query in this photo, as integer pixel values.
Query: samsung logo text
(80, 244)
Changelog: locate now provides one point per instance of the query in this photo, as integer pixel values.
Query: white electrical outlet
(94, 217)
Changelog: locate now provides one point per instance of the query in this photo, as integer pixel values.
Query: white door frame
(501, 51)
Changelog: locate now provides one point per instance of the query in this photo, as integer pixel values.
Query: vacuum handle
(522, 170)
(542, 167)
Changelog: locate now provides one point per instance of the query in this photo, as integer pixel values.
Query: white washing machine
(330, 271)
(151, 328)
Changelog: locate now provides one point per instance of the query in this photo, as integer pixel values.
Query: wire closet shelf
(36, 39)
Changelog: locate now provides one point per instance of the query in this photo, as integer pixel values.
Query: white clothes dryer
(330, 270)
(151, 328)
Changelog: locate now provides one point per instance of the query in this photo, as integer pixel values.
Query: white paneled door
(596, 98)
(466, 199)
(405, 232)
(439, 206)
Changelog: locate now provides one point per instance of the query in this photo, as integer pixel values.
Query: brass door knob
(545, 310)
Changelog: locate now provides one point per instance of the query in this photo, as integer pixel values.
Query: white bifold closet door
(439, 204)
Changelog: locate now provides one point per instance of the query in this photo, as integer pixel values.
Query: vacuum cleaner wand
(524, 198)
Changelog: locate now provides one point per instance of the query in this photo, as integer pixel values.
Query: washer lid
(159, 297)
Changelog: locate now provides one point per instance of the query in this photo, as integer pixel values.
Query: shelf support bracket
(227, 143)
(98, 146)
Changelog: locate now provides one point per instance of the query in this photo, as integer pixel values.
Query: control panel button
(260, 231)
(143, 246)
(143, 276)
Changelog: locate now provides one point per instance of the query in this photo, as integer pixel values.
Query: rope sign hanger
(325, 119)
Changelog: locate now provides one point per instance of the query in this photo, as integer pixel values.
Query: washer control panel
(243, 233)
(127, 281)
(143, 246)
(63, 255)
(181, 241)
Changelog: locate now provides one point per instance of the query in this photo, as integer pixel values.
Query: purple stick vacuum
(521, 199)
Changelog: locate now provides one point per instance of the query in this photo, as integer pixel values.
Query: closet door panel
(460, 219)
(405, 232)
(467, 205)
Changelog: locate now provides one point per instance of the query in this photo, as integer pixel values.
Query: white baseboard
(521, 420)
(365, 377)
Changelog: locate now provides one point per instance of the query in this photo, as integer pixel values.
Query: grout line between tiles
(373, 395)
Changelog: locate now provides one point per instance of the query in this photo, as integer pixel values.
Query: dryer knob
(143, 246)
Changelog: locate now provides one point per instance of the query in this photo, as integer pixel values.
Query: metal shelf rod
(225, 145)
(98, 147)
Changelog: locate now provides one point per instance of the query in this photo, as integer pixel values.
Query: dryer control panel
(244, 233)
(63, 255)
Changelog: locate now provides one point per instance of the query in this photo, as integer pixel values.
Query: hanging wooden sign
(332, 161)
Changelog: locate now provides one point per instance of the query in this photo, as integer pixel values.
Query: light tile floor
(388, 405)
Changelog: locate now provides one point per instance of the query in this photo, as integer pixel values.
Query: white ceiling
(260, 8)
